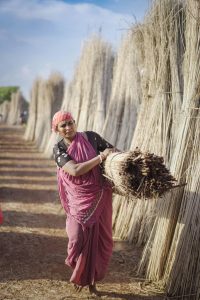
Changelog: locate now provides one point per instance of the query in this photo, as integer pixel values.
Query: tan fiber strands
(88, 94)
(4, 110)
(53, 91)
(166, 225)
(126, 91)
(31, 124)
(47, 96)
(161, 101)
(173, 249)
(142, 175)
(50, 96)
(17, 105)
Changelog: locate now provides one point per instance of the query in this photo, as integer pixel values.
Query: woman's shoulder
(59, 146)
(91, 133)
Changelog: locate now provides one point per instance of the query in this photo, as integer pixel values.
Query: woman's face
(67, 129)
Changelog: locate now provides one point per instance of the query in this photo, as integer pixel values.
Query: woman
(86, 198)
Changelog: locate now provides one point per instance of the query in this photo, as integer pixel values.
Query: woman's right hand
(106, 152)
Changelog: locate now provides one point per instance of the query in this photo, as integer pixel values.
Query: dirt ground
(33, 240)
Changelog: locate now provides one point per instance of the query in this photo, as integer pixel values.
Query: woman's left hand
(106, 152)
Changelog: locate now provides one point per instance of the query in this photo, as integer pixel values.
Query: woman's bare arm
(77, 169)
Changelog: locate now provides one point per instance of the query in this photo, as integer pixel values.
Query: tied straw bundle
(142, 175)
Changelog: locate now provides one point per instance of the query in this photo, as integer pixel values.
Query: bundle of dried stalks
(52, 138)
(4, 111)
(126, 91)
(162, 88)
(17, 105)
(158, 119)
(173, 249)
(50, 96)
(88, 94)
(182, 267)
(30, 128)
(46, 94)
(142, 175)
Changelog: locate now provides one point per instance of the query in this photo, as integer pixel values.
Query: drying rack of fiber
(142, 175)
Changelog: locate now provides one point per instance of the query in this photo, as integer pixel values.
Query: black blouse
(60, 149)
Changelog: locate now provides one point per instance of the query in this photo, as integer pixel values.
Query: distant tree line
(6, 92)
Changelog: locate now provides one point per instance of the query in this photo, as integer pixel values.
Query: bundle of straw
(142, 175)
(90, 87)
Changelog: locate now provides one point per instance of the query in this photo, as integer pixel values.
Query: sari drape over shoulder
(87, 200)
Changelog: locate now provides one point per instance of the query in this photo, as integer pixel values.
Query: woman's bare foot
(78, 288)
(93, 289)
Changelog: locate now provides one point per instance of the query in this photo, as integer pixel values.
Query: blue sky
(41, 36)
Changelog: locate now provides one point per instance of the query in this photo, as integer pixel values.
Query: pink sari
(87, 200)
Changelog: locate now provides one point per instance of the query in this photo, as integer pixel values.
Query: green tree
(6, 92)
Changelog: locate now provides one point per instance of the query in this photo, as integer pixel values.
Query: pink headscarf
(60, 116)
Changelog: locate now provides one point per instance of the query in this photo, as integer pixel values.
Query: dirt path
(33, 239)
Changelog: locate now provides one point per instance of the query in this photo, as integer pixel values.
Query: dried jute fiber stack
(142, 175)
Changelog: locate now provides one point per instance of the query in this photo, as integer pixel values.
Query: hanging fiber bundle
(142, 175)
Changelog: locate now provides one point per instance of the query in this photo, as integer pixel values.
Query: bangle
(100, 158)
(103, 157)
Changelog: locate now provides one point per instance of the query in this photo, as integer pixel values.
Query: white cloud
(73, 20)
(52, 10)
(33, 9)
(47, 35)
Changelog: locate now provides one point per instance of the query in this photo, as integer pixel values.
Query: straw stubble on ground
(33, 239)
